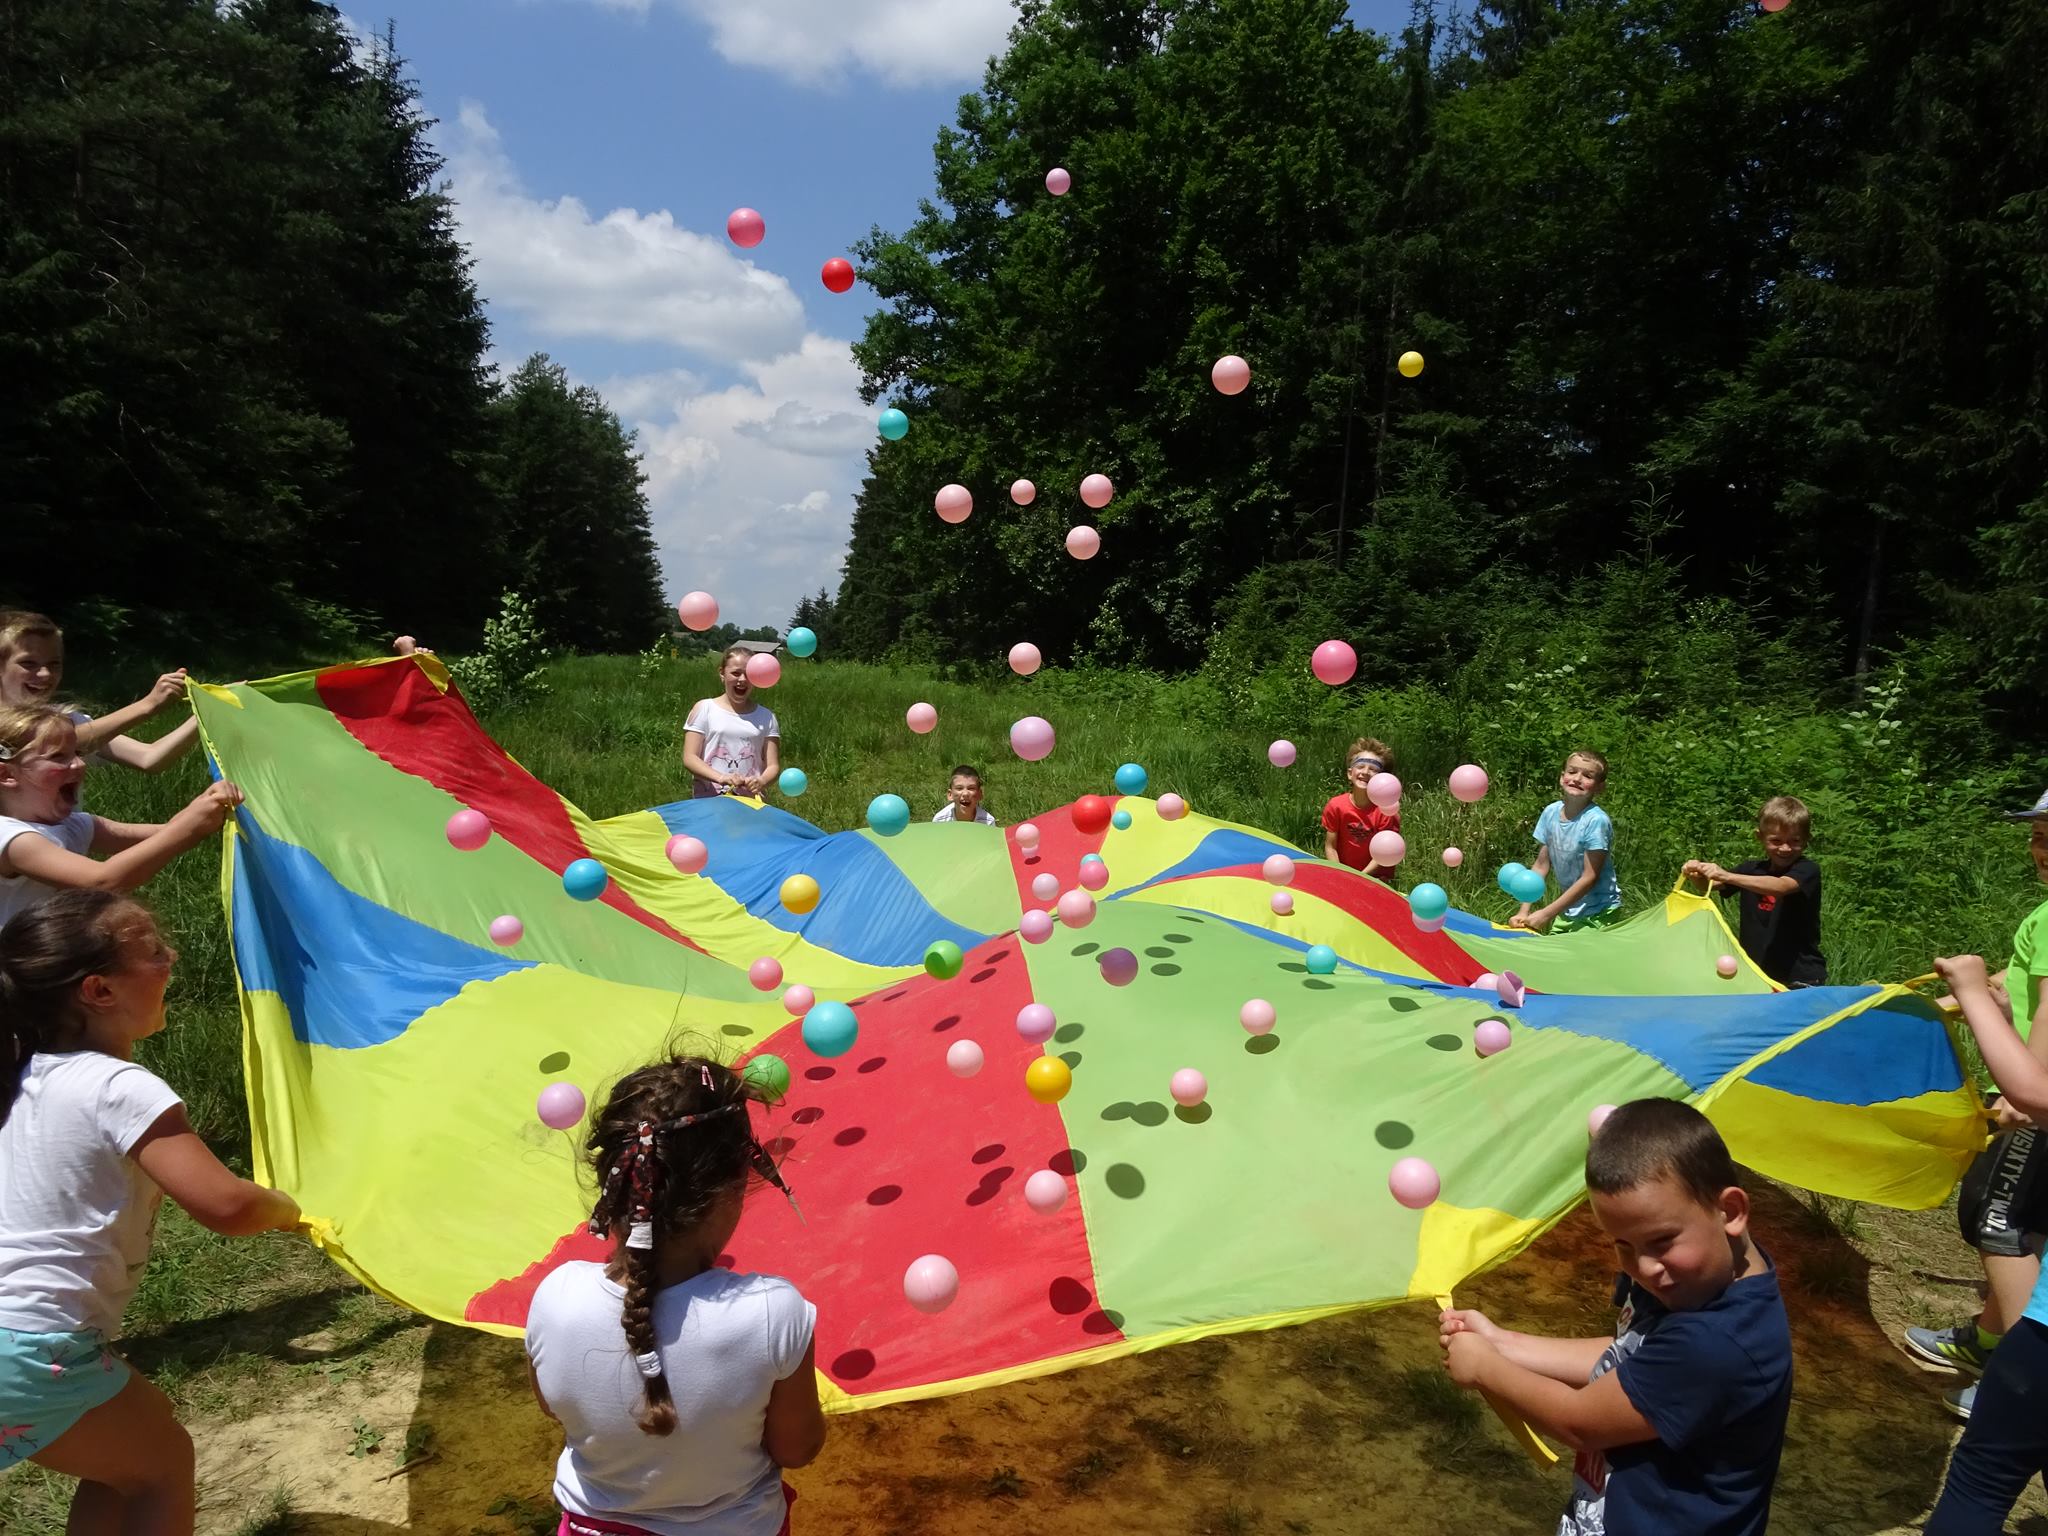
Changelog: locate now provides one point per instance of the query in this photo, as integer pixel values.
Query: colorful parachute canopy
(394, 1053)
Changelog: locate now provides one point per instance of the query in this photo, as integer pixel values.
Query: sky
(594, 149)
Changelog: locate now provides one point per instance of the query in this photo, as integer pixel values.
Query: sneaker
(1954, 1347)
(1960, 1400)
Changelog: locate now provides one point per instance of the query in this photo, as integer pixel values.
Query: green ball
(769, 1074)
(944, 959)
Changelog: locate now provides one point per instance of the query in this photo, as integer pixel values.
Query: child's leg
(2011, 1282)
(133, 1460)
(2007, 1441)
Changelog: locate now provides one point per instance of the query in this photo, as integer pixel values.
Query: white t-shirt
(733, 743)
(725, 1340)
(981, 814)
(73, 834)
(76, 1212)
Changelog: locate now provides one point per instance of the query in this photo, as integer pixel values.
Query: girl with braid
(683, 1389)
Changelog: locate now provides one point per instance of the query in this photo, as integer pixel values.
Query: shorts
(2004, 1195)
(593, 1525)
(48, 1382)
(1587, 920)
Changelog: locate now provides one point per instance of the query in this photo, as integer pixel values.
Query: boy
(963, 798)
(1578, 846)
(2002, 1204)
(1678, 1420)
(1780, 896)
(1350, 820)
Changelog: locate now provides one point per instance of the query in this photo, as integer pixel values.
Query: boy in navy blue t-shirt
(1678, 1420)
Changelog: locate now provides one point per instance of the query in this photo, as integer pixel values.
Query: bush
(509, 666)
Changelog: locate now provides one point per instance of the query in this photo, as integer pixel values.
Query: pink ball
(1119, 967)
(763, 670)
(963, 1058)
(507, 930)
(1510, 989)
(1094, 875)
(1414, 1183)
(921, 718)
(931, 1283)
(1727, 966)
(1230, 375)
(697, 610)
(1027, 834)
(1057, 181)
(1035, 926)
(745, 228)
(1256, 1016)
(1045, 887)
(1031, 738)
(1045, 1191)
(1468, 783)
(1278, 869)
(798, 1000)
(953, 503)
(1281, 754)
(1430, 924)
(1083, 542)
(1035, 1023)
(1171, 807)
(688, 854)
(1096, 491)
(1188, 1087)
(1492, 1037)
(469, 830)
(1282, 903)
(1485, 981)
(1024, 658)
(1387, 848)
(1023, 492)
(1334, 662)
(560, 1106)
(765, 973)
(1598, 1118)
(1453, 857)
(1383, 790)
(1077, 909)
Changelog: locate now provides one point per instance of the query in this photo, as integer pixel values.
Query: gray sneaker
(1960, 1400)
(1954, 1347)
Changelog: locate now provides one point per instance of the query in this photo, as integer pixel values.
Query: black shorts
(2004, 1196)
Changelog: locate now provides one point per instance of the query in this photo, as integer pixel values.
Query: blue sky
(594, 149)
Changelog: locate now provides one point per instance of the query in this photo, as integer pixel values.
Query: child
(1678, 1420)
(1780, 896)
(1577, 840)
(47, 842)
(963, 802)
(682, 1389)
(732, 745)
(2006, 1443)
(91, 1143)
(32, 670)
(1350, 820)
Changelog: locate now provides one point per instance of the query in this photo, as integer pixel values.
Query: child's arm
(693, 759)
(1596, 860)
(1570, 1361)
(1593, 1417)
(150, 756)
(132, 858)
(1330, 846)
(171, 1152)
(1761, 885)
(95, 734)
(771, 764)
(2020, 1074)
(793, 1432)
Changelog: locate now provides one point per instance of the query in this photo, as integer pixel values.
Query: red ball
(837, 274)
(1091, 814)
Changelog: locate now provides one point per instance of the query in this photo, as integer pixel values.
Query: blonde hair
(27, 726)
(1592, 757)
(1788, 812)
(18, 624)
(1372, 746)
(730, 652)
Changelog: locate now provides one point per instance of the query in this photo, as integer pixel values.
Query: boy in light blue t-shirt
(1577, 840)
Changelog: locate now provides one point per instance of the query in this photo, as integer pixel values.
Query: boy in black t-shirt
(1780, 896)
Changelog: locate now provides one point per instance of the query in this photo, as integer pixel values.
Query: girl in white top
(731, 744)
(682, 1389)
(32, 673)
(90, 1143)
(48, 843)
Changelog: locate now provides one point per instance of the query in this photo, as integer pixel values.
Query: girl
(89, 1145)
(32, 669)
(732, 745)
(46, 839)
(682, 1388)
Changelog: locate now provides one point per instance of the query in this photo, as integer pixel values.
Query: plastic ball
(1121, 820)
(921, 718)
(799, 894)
(837, 274)
(1383, 790)
(1598, 1118)
(768, 1075)
(931, 1283)
(1045, 887)
(1282, 903)
(1278, 869)
(585, 879)
(1453, 857)
(1023, 492)
(892, 424)
(1083, 542)
(1468, 783)
(1281, 754)
(792, 782)
(1119, 967)
(1414, 1183)
(1094, 877)
(1321, 960)
(1096, 491)
(469, 830)
(1027, 835)
(1510, 872)
(1230, 374)
(507, 930)
(1387, 848)
(963, 1058)
(942, 958)
(1410, 364)
(1170, 807)
(1429, 900)
(1131, 779)
(1090, 814)
(1057, 181)
(1509, 988)
(1035, 927)
(1429, 924)
(687, 853)
(801, 642)
(1045, 1191)
(798, 1000)
(1047, 1079)
(1257, 1016)
(697, 610)
(1032, 738)
(1035, 1023)
(763, 670)
(1188, 1087)
(1334, 662)
(830, 1029)
(888, 815)
(765, 973)
(1492, 1037)
(745, 228)
(1024, 658)
(1727, 966)
(1077, 909)
(1772, 7)
(953, 503)
(1529, 887)
(560, 1106)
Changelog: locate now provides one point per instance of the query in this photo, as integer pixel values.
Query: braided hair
(672, 1141)
(45, 952)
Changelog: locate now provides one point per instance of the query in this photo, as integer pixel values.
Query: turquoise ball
(1131, 779)
(1429, 901)
(1121, 821)
(888, 815)
(801, 642)
(893, 424)
(830, 1029)
(792, 782)
(585, 879)
(1320, 959)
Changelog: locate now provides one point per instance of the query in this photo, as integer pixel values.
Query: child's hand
(1963, 973)
(2008, 1118)
(1467, 1320)
(211, 805)
(169, 689)
(1466, 1357)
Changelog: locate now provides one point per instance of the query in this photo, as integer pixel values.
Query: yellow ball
(799, 894)
(1410, 364)
(1048, 1079)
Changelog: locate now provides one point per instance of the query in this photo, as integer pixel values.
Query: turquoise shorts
(48, 1382)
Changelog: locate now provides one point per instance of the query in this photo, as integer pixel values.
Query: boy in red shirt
(1351, 819)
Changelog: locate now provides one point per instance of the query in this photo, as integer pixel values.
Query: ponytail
(46, 951)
